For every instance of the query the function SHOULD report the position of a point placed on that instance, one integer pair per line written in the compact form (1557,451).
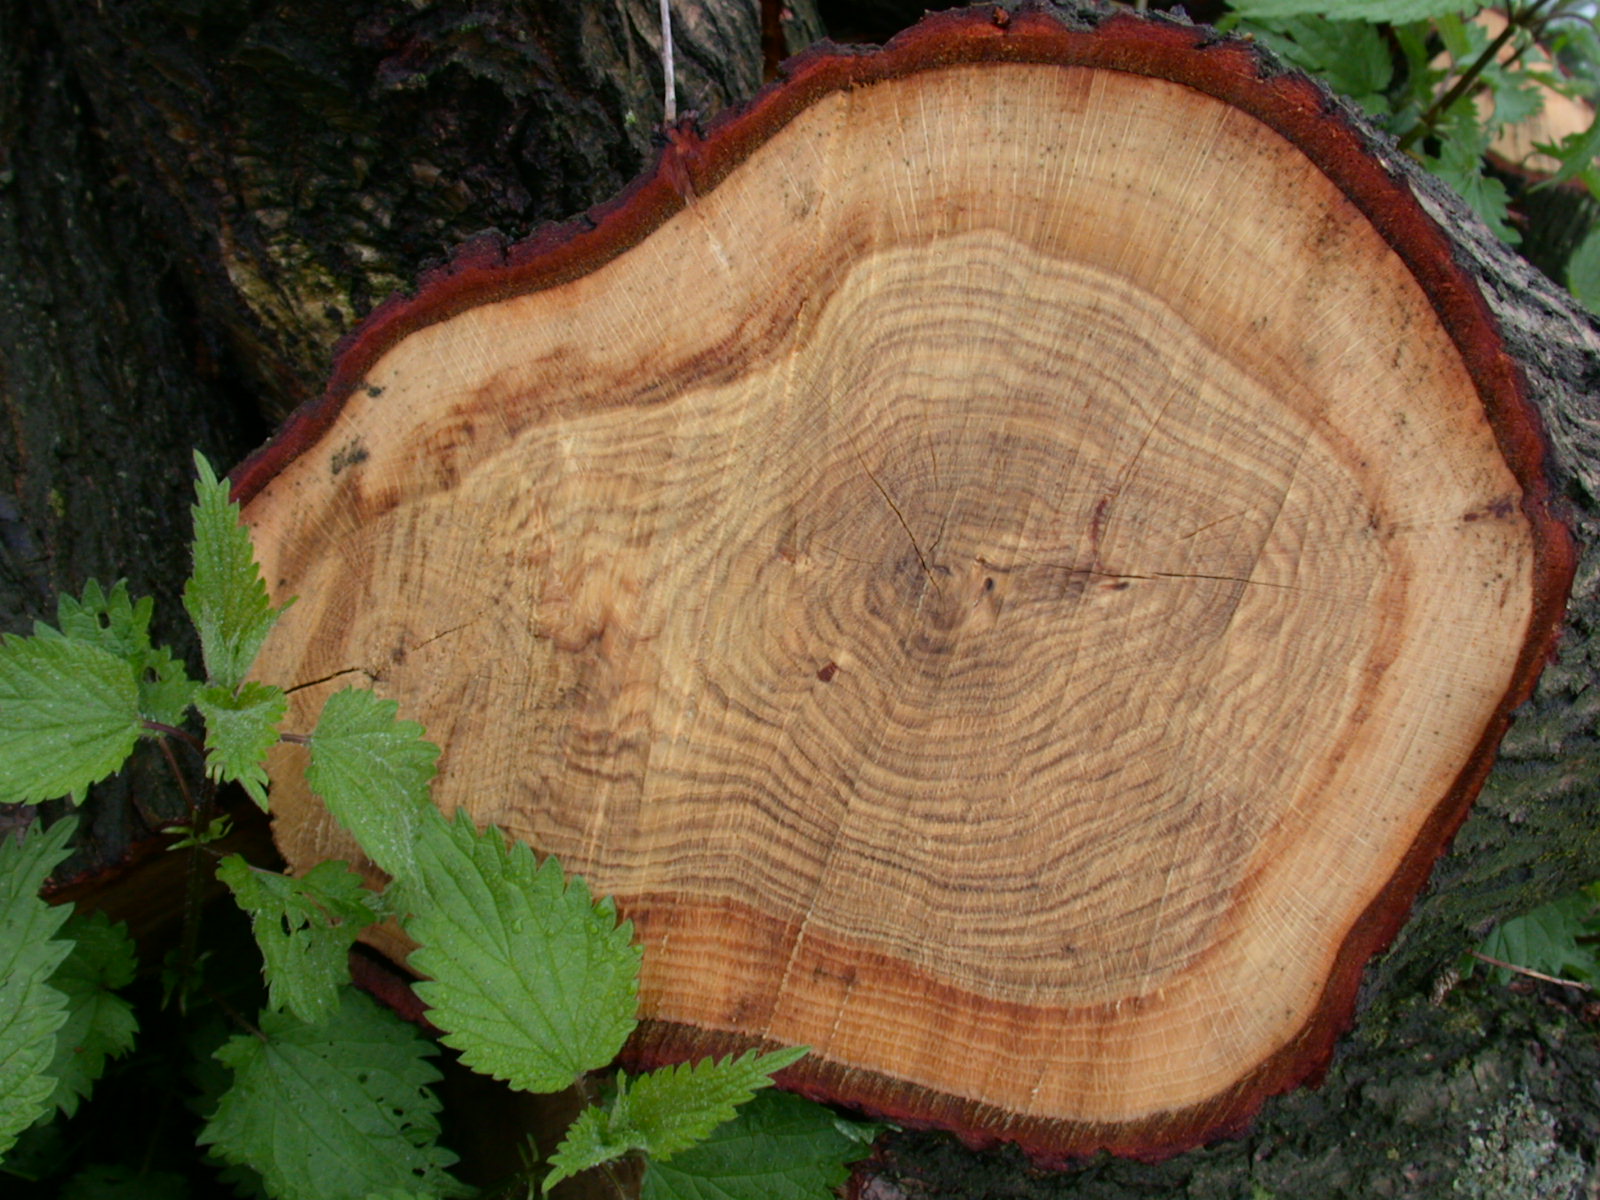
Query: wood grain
(997,587)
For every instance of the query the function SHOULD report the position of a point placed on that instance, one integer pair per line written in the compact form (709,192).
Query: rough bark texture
(131,134)
(196,200)
(105,380)
(307,159)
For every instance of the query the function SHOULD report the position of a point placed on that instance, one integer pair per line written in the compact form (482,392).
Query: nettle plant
(529,979)
(1447,78)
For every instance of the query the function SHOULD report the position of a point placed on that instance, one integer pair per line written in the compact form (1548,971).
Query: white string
(670,97)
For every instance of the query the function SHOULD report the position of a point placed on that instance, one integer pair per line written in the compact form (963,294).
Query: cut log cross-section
(1009,558)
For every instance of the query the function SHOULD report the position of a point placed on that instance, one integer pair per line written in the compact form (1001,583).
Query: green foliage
(333,1111)
(121,626)
(31,1009)
(241,726)
(666,1111)
(100,1024)
(779,1147)
(1393,11)
(372,771)
(1555,939)
(69,716)
(1351,56)
(1583,271)
(305,928)
(1576,151)
(1460,164)
(1437,82)
(225,597)
(529,978)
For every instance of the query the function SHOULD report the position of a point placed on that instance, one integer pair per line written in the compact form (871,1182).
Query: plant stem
(177,774)
(195,888)
(586,1093)
(1531,973)
(233,1014)
(1521,19)
(183,735)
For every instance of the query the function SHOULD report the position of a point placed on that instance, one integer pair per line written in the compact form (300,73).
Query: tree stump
(1010,557)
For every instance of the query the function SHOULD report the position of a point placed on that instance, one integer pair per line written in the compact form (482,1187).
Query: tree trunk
(196,202)
(195,208)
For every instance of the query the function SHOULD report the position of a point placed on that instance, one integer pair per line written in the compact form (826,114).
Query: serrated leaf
(1517,98)
(779,1147)
(241,726)
(372,771)
(225,597)
(1485,196)
(100,1024)
(165,689)
(1462,142)
(305,928)
(31,1009)
(1583,271)
(531,980)
(333,1111)
(121,626)
(666,1111)
(1576,151)
(111,621)
(1393,11)
(1546,940)
(1350,55)
(69,716)
(1463,40)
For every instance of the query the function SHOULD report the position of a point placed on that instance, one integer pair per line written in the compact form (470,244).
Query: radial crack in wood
(1009,560)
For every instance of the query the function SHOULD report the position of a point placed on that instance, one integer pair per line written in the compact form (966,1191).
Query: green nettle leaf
(531,980)
(1517,97)
(779,1147)
(120,626)
(372,770)
(1487,197)
(1394,11)
(100,1024)
(113,622)
(1576,151)
(666,1111)
(69,716)
(165,689)
(305,928)
(1462,142)
(31,1009)
(1350,55)
(1546,940)
(226,598)
(334,1111)
(1583,271)
(241,726)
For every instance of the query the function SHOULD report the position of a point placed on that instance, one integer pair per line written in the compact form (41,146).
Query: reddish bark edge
(485,270)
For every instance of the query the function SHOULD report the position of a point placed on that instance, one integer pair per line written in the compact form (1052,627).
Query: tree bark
(196,201)
(107,384)
(196,204)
